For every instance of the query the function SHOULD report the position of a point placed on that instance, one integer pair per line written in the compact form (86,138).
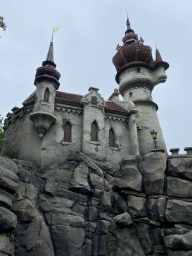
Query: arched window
(46,95)
(67,132)
(111,138)
(94,131)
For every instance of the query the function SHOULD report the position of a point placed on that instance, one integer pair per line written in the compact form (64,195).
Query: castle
(53,124)
(118,193)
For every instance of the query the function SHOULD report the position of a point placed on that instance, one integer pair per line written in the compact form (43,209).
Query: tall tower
(137,74)
(47,82)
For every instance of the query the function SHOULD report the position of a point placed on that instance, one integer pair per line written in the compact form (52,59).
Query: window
(138,70)
(46,95)
(130,94)
(94,100)
(67,132)
(111,138)
(94,131)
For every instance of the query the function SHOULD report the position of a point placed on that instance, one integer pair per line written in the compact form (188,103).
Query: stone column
(133,134)
(94,111)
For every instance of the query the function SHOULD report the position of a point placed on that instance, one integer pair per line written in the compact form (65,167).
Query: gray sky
(85,44)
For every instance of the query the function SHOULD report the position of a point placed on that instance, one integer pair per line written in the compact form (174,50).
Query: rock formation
(87,208)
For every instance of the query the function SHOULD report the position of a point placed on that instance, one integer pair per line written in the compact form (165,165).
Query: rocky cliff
(87,208)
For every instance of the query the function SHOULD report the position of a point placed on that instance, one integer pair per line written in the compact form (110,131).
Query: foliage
(1,132)
(2,24)
(40,171)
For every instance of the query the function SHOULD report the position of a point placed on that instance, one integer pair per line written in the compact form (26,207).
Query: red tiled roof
(75,98)
(114,107)
(68,97)
(30,99)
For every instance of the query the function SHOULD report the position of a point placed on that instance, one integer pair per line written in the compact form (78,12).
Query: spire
(48,70)
(128,24)
(158,56)
(130,36)
(50,59)
(50,52)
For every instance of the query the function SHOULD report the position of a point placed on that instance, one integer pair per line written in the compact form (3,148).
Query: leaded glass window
(67,132)
(46,95)
(111,138)
(94,131)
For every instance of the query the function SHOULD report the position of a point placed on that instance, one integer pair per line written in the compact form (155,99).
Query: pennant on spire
(55,29)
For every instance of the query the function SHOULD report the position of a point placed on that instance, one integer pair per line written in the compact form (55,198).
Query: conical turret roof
(135,53)
(50,53)
(48,70)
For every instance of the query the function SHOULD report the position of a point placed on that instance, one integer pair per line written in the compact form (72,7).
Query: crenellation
(188,150)
(174,151)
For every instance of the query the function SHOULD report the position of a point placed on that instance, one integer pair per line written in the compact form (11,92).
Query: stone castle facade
(52,124)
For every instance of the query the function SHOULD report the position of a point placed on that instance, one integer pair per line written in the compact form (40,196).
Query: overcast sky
(85,44)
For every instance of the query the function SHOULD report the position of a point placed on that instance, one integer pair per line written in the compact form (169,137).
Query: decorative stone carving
(42,121)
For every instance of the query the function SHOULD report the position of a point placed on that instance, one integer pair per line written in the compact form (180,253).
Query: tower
(47,82)
(137,74)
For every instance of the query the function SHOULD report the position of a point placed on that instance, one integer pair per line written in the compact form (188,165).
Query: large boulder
(7,163)
(37,239)
(58,177)
(129,176)
(68,240)
(79,180)
(179,188)
(156,208)
(145,237)
(153,169)
(8,220)
(180,168)
(123,220)
(137,206)
(128,242)
(119,204)
(178,211)
(178,238)
(6,247)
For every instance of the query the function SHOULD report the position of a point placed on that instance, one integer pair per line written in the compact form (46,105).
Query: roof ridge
(29,97)
(71,93)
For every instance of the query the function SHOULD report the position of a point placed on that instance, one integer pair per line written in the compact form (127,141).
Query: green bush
(2,23)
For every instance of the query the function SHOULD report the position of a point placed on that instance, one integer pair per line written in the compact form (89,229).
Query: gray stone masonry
(85,207)
(23,127)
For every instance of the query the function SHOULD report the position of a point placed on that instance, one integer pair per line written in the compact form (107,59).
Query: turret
(137,74)
(47,82)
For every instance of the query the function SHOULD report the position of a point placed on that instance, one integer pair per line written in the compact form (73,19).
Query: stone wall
(21,138)
(86,207)
(122,140)
(23,142)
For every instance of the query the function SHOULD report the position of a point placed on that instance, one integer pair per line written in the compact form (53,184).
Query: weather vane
(54,29)
(127,13)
